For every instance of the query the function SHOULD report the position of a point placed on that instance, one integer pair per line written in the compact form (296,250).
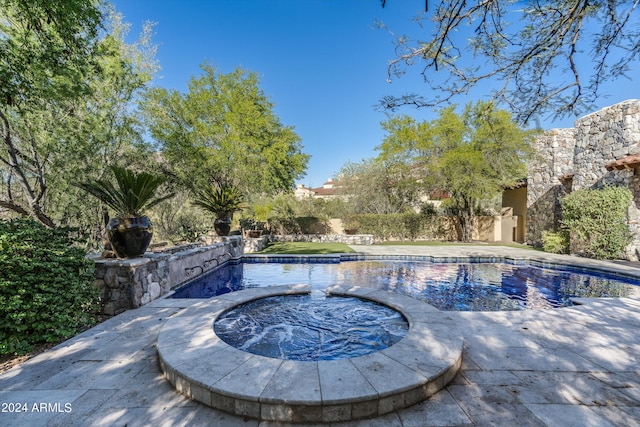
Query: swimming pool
(467,286)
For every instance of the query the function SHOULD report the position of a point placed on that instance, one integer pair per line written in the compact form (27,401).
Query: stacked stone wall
(576,158)
(553,161)
(131,283)
(603,137)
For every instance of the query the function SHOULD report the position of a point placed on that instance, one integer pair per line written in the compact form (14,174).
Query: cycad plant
(222,201)
(134,193)
(130,232)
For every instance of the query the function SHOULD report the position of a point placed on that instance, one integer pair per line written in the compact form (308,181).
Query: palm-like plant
(130,232)
(222,201)
(135,192)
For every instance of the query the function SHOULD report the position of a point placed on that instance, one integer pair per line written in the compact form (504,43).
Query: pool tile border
(203,367)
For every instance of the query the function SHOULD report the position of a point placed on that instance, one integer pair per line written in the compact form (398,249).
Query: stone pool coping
(203,367)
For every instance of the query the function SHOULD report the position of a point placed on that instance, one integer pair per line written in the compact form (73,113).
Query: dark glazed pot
(129,237)
(222,224)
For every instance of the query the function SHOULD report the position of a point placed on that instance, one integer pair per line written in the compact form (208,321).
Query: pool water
(447,286)
(311,327)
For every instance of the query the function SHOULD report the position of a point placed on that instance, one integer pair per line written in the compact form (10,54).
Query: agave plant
(135,192)
(222,201)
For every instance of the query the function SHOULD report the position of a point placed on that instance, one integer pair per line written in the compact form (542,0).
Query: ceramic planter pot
(129,237)
(222,224)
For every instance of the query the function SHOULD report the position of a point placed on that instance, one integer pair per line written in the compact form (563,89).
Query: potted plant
(222,201)
(130,232)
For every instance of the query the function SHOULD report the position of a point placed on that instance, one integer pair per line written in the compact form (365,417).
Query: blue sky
(321,63)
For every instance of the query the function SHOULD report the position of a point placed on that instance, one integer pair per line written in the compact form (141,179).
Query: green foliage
(405,226)
(44,48)
(378,186)
(312,225)
(555,242)
(135,192)
(470,156)
(224,129)
(596,221)
(221,201)
(284,214)
(68,106)
(283,225)
(177,220)
(46,286)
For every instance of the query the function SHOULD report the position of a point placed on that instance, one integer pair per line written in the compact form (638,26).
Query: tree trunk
(33,196)
(467,219)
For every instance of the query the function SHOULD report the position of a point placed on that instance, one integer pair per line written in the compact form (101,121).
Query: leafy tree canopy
(68,91)
(543,56)
(45,48)
(377,186)
(224,130)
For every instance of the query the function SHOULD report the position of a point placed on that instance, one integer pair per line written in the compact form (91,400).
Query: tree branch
(522,57)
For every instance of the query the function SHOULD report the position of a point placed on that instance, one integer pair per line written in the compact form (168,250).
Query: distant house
(329,190)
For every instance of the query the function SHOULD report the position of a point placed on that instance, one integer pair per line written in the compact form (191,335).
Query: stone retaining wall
(131,283)
(258,244)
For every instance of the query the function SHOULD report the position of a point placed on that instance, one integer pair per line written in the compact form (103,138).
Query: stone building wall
(603,137)
(577,158)
(554,160)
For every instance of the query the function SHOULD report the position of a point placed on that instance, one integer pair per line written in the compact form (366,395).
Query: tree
(105,128)
(544,56)
(469,157)
(45,52)
(68,88)
(378,186)
(224,130)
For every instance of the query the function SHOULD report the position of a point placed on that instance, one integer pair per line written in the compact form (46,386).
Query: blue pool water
(447,286)
(311,328)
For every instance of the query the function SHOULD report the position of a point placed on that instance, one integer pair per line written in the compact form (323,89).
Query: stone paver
(571,366)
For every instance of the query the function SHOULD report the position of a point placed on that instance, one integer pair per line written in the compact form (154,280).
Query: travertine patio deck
(576,366)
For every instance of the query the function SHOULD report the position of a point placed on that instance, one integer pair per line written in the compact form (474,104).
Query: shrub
(596,221)
(46,286)
(555,242)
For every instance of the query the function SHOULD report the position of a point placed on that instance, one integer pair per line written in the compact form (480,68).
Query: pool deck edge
(203,367)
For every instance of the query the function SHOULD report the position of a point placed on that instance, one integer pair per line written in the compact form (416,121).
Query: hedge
(404,226)
(46,286)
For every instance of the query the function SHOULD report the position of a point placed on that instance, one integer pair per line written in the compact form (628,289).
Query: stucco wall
(516,199)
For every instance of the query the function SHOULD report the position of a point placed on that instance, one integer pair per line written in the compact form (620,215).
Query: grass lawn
(306,248)
(279,248)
